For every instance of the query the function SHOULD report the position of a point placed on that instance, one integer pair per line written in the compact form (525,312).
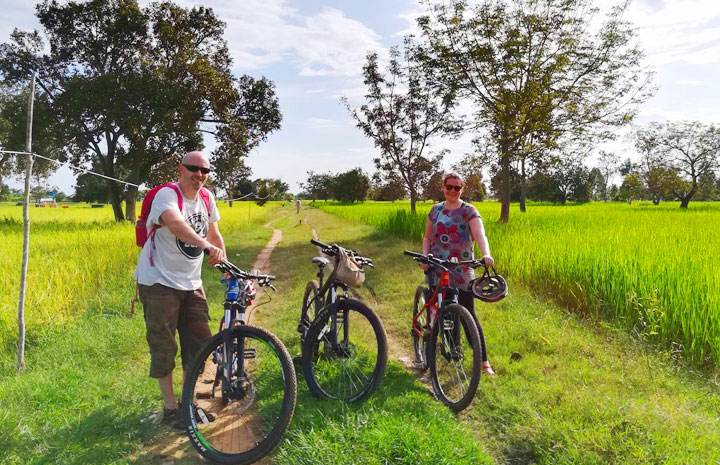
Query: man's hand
(215,254)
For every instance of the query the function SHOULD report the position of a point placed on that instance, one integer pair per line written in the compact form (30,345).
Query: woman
(449,232)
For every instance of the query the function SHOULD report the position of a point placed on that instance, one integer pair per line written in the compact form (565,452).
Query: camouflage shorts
(166,310)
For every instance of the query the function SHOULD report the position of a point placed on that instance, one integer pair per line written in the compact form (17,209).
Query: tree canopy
(404,110)
(133,88)
(538,73)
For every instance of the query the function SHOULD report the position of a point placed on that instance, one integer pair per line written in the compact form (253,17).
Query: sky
(314,52)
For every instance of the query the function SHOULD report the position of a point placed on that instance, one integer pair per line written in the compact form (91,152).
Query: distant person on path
(449,232)
(168,274)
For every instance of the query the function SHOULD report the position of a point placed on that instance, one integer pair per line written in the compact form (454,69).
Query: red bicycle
(446,338)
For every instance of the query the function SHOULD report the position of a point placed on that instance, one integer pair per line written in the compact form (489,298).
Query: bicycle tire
(310,308)
(272,385)
(354,369)
(447,358)
(420,343)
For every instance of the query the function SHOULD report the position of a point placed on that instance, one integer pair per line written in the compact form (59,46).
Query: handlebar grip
(319,244)
(412,254)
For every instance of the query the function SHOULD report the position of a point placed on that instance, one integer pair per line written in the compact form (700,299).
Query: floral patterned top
(451,238)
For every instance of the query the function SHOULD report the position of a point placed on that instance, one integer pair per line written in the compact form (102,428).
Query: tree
(434,188)
(319,186)
(661,182)
(276,187)
(13,124)
(129,87)
(404,111)
(351,186)
(539,73)
(90,188)
(5,193)
(386,190)
(709,187)
(607,164)
(690,148)
(631,188)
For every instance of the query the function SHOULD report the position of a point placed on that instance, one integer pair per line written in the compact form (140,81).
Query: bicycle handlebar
(333,249)
(226,267)
(445,264)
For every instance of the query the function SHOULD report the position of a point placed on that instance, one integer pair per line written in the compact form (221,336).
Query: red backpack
(141,234)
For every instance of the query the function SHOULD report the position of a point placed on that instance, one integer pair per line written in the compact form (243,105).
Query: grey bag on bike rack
(348,271)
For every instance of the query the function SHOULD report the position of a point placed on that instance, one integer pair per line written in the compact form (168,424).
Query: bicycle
(344,345)
(451,354)
(255,376)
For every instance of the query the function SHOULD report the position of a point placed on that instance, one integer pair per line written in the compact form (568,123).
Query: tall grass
(76,255)
(653,269)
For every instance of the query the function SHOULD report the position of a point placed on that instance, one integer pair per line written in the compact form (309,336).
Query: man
(168,274)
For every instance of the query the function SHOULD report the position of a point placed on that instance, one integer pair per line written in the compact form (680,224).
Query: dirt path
(173,449)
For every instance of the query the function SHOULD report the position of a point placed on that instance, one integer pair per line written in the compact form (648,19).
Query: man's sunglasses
(195,169)
(456,188)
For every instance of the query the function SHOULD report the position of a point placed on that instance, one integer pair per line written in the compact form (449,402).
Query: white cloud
(268,32)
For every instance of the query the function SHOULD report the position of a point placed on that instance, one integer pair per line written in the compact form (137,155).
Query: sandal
(487,369)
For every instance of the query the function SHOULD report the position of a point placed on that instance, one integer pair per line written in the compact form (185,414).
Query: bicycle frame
(328,291)
(442,294)
(234,305)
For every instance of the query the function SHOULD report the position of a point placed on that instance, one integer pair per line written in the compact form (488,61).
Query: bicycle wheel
(454,357)
(260,392)
(420,343)
(310,307)
(345,352)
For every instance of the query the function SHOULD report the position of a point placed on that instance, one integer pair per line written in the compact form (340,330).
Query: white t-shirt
(176,264)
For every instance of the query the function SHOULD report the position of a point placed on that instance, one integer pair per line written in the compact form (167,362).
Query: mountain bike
(240,391)
(445,336)
(344,346)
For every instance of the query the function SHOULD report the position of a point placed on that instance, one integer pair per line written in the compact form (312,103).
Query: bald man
(168,274)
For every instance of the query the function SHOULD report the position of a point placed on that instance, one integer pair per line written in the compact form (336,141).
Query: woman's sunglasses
(195,169)
(456,188)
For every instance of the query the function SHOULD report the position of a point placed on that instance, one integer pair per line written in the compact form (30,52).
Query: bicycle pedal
(204,395)
(250,353)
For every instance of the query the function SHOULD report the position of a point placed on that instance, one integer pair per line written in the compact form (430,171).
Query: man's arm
(174,221)
(215,238)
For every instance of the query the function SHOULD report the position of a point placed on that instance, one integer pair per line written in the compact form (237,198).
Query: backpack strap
(151,237)
(205,196)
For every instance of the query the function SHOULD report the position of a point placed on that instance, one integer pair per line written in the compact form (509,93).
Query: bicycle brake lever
(272,287)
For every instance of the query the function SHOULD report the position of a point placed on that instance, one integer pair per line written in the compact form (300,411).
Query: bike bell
(233,290)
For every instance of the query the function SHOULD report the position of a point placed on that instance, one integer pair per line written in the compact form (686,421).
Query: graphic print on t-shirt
(199,223)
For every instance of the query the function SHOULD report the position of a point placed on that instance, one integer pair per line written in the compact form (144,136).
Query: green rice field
(651,269)
(76,253)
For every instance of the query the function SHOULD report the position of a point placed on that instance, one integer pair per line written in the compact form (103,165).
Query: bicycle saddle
(320,261)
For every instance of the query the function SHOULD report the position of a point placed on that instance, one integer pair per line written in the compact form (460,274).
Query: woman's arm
(478,233)
(426,242)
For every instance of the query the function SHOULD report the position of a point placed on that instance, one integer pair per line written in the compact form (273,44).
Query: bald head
(196,158)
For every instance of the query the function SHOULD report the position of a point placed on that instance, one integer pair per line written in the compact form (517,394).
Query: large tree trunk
(523,186)
(685,201)
(504,179)
(413,199)
(130,199)
(116,201)
(504,186)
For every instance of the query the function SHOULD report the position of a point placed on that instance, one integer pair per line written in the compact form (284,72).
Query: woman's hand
(424,266)
(488,260)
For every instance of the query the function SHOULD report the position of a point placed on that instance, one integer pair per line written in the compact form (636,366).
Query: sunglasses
(455,188)
(195,169)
